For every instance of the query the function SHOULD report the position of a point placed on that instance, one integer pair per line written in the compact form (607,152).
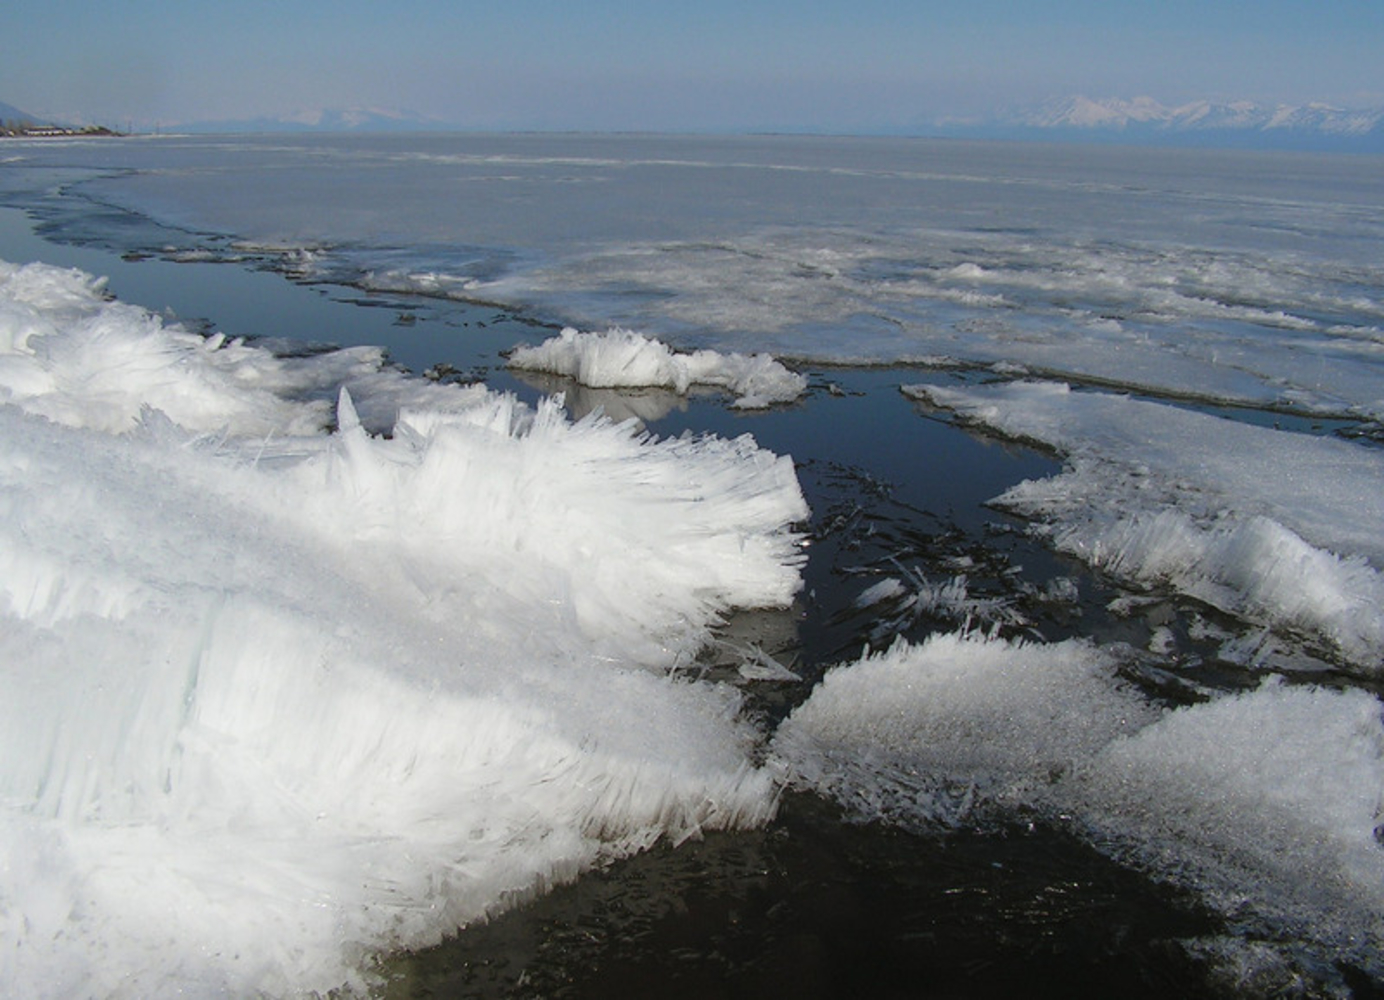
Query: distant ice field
(1222,275)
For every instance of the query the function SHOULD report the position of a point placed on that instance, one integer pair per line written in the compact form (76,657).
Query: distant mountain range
(1141,121)
(1144,120)
(18,123)
(323,120)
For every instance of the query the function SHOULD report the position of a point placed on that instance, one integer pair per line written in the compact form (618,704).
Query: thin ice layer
(1279,527)
(1266,803)
(624,359)
(274,700)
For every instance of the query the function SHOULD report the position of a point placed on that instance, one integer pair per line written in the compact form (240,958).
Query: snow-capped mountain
(1202,122)
(1082,112)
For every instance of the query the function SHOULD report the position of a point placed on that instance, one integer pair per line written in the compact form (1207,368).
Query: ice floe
(625,359)
(1266,803)
(1280,527)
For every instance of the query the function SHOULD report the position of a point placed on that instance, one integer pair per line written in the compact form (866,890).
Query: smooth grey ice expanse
(307,659)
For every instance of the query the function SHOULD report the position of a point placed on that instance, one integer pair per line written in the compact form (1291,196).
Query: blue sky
(711,64)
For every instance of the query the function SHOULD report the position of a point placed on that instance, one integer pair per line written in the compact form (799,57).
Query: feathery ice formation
(1275,527)
(1266,802)
(624,359)
(278,694)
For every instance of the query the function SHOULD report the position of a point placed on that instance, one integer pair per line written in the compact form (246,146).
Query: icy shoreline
(1266,803)
(267,582)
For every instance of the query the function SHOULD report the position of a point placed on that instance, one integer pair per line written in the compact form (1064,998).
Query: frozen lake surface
(978,509)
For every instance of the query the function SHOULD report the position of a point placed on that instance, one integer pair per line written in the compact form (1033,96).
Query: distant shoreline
(30,131)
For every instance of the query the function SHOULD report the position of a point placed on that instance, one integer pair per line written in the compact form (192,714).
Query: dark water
(812,906)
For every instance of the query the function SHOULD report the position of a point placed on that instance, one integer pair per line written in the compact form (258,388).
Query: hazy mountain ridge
(9,113)
(1140,121)
(322,120)
(1082,112)
(1201,122)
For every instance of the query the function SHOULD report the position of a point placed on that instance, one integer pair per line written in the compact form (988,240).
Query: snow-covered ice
(958,729)
(279,694)
(1266,802)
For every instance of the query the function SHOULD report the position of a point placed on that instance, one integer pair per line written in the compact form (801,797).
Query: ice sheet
(276,699)
(1276,526)
(1223,275)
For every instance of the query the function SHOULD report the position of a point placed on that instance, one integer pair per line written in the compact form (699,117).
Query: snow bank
(1266,803)
(624,359)
(275,700)
(1277,527)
